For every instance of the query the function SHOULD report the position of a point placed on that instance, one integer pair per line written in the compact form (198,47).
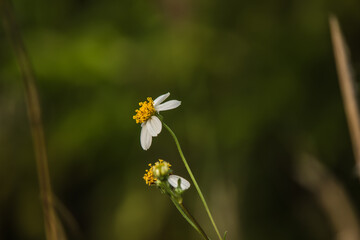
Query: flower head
(160,170)
(146,115)
(145,111)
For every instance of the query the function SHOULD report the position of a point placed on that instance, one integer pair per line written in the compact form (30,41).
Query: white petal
(145,138)
(161,98)
(168,105)
(154,126)
(173,180)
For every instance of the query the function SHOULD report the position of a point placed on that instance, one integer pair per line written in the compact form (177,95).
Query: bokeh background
(259,91)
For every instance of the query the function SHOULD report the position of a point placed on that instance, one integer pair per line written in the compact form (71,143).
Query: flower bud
(161,170)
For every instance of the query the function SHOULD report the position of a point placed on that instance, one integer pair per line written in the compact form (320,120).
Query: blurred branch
(53,229)
(347,84)
(68,220)
(331,195)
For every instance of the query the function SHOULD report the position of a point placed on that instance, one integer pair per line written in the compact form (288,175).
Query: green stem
(177,200)
(189,218)
(193,179)
(192,218)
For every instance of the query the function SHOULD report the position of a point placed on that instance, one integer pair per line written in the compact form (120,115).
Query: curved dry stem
(53,228)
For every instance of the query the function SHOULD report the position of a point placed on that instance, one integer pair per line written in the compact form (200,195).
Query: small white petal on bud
(174,181)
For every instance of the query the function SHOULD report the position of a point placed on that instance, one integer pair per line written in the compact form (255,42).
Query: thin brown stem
(53,232)
(331,196)
(346,82)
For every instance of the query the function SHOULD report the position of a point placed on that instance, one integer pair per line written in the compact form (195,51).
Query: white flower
(174,181)
(146,115)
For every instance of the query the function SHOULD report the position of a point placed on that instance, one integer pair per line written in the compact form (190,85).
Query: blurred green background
(258,86)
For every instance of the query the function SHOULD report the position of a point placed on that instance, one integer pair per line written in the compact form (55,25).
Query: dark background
(259,89)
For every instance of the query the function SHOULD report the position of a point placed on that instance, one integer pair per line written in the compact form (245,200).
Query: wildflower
(146,115)
(178,182)
(160,170)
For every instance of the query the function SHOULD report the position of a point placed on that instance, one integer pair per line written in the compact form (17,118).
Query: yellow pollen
(145,111)
(149,176)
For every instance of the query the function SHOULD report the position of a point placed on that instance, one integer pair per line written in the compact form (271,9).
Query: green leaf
(225,235)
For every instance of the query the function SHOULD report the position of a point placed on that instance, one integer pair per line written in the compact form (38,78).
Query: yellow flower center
(145,111)
(149,175)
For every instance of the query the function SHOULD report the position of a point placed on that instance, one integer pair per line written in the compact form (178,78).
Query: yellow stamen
(145,111)
(149,176)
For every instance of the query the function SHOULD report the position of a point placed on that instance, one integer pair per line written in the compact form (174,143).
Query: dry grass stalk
(331,196)
(53,228)
(347,86)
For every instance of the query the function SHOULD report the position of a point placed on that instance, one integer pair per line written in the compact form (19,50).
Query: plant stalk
(193,179)
(52,230)
(185,213)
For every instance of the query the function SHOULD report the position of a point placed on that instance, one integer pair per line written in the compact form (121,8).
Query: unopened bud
(161,169)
